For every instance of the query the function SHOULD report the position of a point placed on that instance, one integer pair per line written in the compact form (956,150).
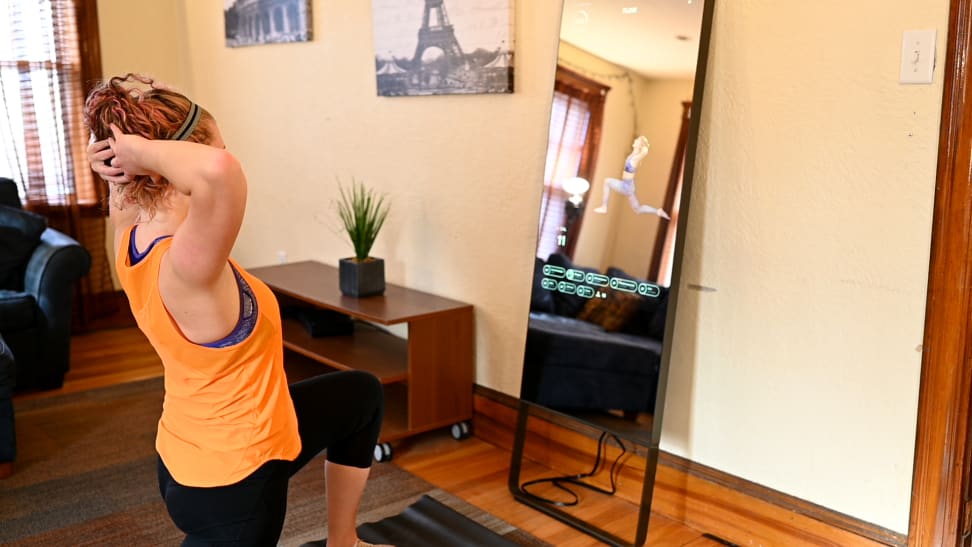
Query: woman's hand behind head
(100,155)
(127,150)
(139,108)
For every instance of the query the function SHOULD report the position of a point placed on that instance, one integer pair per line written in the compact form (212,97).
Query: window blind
(569,124)
(42,134)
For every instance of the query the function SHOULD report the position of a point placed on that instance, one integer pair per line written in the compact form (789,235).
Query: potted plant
(363,213)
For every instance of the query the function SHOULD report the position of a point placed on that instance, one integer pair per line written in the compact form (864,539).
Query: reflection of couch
(593,353)
(38,269)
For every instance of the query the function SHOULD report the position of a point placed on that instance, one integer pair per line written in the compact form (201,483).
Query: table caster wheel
(383,452)
(461,430)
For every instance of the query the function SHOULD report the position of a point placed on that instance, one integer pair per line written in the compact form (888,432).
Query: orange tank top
(227,410)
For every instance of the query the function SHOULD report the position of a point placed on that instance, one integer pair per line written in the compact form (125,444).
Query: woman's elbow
(222,164)
(224,167)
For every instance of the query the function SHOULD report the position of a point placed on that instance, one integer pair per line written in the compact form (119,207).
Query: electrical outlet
(918,57)
(282,257)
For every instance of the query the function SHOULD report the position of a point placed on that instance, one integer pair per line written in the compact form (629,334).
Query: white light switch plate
(918,57)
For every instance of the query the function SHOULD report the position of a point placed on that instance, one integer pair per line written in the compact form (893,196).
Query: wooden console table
(428,378)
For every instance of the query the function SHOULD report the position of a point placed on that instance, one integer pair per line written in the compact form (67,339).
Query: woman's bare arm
(214,181)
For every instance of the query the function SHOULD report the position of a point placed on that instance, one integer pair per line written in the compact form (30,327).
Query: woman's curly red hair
(140,106)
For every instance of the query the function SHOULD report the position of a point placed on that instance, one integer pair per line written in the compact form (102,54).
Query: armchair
(38,269)
(8,438)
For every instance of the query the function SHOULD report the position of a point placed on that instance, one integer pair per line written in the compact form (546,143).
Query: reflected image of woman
(626,184)
(232,432)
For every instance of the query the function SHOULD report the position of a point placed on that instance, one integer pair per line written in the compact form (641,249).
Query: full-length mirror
(615,191)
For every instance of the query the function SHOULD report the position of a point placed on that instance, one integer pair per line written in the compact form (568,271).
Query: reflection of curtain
(575,128)
(663,254)
(42,134)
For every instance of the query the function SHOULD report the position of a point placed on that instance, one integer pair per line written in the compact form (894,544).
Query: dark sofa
(8,437)
(38,269)
(593,353)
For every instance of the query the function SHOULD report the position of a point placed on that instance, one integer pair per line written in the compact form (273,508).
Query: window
(575,128)
(48,50)
(41,98)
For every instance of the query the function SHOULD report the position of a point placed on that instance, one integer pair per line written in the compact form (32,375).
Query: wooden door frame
(938,514)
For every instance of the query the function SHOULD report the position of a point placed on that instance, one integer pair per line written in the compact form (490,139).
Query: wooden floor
(471,469)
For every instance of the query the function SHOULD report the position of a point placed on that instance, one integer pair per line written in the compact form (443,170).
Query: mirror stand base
(521,495)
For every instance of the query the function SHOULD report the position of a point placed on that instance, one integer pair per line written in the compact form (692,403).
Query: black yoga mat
(427,523)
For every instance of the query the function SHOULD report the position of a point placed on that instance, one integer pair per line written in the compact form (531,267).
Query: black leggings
(340,412)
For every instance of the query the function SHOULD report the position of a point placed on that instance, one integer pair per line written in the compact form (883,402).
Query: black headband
(188,126)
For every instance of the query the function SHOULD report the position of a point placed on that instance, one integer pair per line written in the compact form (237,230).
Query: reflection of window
(575,128)
(569,121)
(663,256)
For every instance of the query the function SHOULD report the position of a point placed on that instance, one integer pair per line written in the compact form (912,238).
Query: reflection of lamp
(576,187)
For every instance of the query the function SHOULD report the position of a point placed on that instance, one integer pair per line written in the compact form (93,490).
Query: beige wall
(145,37)
(635,105)
(659,120)
(595,244)
(456,168)
(811,216)
(811,220)
(155,46)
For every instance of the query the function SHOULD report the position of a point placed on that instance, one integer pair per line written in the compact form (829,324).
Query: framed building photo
(440,47)
(255,22)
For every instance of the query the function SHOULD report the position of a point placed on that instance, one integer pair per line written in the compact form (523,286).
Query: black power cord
(718,539)
(576,480)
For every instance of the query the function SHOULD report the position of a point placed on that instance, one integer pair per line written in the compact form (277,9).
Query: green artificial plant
(363,213)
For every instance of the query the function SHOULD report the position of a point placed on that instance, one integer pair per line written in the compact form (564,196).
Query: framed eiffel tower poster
(443,47)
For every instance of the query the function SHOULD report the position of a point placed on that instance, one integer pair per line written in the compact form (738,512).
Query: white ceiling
(646,42)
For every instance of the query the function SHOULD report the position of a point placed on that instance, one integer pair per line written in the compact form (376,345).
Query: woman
(626,184)
(231,432)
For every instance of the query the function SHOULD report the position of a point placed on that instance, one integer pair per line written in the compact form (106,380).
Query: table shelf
(368,348)
(427,377)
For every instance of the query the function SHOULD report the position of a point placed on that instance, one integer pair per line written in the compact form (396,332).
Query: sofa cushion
(611,312)
(568,305)
(8,193)
(649,317)
(20,233)
(574,364)
(18,310)
(541,300)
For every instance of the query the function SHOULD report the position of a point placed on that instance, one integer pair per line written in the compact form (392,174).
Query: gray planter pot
(365,278)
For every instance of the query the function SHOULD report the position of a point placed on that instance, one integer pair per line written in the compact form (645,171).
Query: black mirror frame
(523,413)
